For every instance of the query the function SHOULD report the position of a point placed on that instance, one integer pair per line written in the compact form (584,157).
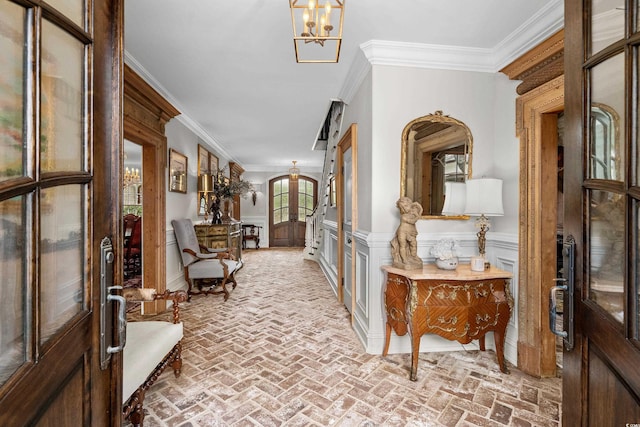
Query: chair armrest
(148,294)
(207,250)
(223,253)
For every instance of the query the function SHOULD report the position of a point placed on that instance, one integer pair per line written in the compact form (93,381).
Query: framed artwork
(213,164)
(203,160)
(177,172)
(332,192)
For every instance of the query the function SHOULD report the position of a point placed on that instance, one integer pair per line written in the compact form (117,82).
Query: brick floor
(281,352)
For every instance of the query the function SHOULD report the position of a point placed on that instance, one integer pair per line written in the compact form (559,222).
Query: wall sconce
(484,199)
(257,188)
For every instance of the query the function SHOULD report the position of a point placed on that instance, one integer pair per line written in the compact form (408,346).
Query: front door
(290,203)
(601,375)
(59,121)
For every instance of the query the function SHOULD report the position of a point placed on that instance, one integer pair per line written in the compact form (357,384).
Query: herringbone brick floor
(281,352)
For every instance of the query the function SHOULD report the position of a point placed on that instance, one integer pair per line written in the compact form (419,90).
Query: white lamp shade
(484,197)
(454,198)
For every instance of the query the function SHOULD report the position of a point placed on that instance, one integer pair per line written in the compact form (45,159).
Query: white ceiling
(229,66)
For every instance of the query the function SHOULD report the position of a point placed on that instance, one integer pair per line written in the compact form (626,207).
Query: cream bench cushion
(148,342)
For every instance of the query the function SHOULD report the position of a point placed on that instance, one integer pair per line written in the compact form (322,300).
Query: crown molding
(546,22)
(358,70)
(183,118)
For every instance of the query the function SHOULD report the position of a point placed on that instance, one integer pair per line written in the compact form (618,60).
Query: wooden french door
(290,203)
(601,373)
(59,139)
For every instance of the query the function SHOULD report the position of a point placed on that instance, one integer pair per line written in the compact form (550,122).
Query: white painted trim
(546,22)
(183,117)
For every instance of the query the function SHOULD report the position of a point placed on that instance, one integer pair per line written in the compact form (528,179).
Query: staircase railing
(313,232)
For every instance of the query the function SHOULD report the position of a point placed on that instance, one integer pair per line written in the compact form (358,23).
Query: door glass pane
(607,23)
(62,256)
(12,289)
(607,120)
(607,254)
(61,101)
(72,9)
(12,42)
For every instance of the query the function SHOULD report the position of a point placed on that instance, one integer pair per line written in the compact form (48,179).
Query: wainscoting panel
(175,272)
(328,254)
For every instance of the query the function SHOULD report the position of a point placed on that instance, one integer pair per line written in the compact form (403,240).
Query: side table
(460,305)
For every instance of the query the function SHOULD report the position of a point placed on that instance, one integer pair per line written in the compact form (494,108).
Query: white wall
(388,99)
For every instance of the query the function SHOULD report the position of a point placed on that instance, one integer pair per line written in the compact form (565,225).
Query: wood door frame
(541,71)
(537,232)
(348,140)
(145,114)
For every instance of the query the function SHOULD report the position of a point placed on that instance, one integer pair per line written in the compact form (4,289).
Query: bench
(150,347)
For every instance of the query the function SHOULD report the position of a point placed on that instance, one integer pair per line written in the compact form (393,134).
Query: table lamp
(205,186)
(454,198)
(484,199)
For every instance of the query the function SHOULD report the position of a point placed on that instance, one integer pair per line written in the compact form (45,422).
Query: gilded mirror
(435,149)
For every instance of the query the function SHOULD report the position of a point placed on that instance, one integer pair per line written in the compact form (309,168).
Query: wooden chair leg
(177,362)
(137,414)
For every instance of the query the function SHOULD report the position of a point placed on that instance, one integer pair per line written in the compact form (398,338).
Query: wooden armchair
(150,347)
(203,267)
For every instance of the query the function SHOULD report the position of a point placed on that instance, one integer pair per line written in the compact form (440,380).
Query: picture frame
(203,161)
(177,172)
(213,164)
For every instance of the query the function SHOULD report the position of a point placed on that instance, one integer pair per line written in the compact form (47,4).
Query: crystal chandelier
(312,30)
(131,177)
(294,172)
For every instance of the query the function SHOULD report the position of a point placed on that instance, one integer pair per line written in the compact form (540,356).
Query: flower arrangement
(224,188)
(445,249)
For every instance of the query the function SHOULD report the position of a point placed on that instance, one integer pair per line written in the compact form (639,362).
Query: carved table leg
(415,352)
(481,343)
(387,338)
(499,336)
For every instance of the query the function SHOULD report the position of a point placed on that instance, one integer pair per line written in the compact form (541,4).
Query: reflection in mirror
(435,149)
(606,251)
(132,215)
(605,142)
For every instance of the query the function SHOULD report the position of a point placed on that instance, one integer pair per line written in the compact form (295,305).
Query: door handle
(567,287)
(553,307)
(122,320)
(107,259)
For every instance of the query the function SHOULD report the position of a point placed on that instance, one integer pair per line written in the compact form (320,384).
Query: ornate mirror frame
(407,147)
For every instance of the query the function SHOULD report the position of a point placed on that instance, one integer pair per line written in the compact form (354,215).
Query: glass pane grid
(62,257)
(607,252)
(13,311)
(62,101)
(12,102)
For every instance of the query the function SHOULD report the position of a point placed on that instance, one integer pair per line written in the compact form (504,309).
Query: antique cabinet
(218,236)
(461,305)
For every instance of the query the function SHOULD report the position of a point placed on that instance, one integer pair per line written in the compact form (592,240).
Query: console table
(460,305)
(216,236)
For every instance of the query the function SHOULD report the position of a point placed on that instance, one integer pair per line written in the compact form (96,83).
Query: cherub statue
(404,247)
